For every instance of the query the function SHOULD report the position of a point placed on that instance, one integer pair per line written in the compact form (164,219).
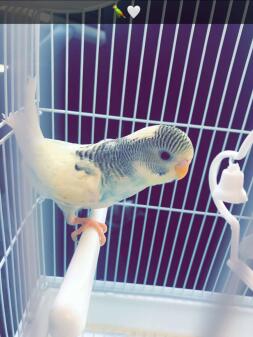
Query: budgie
(118,12)
(97,175)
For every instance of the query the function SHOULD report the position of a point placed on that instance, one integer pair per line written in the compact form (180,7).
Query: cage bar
(135,267)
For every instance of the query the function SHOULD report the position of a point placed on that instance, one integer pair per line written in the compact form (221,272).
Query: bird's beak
(182,169)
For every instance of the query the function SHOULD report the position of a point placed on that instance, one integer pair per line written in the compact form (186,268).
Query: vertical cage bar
(53,132)
(32,50)
(29,234)
(6,266)
(2,304)
(119,242)
(8,195)
(171,61)
(35,222)
(25,30)
(5,67)
(96,77)
(143,45)
(66,75)
(109,89)
(41,222)
(6,95)
(23,235)
(196,88)
(18,78)
(108,243)
(80,104)
(81,79)
(153,236)
(27,192)
(123,94)
(37,61)
(158,47)
(14,274)
(186,61)
(12,166)
(142,238)
(94,103)
(21,219)
(26,189)
(39,250)
(12,36)
(245,234)
(130,243)
(66,128)
(106,135)
(52,75)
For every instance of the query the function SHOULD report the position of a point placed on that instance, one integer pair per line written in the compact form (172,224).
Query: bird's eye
(165,155)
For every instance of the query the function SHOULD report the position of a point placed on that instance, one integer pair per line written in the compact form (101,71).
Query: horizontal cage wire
(99,81)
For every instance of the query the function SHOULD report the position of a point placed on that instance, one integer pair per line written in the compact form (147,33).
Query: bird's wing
(70,181)
(87,166)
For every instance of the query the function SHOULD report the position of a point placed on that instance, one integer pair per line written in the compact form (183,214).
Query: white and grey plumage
(98,175)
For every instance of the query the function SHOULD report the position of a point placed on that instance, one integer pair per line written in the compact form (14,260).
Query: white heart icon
(133,11)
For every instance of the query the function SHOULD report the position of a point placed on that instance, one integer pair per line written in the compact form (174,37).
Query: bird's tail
(25,124)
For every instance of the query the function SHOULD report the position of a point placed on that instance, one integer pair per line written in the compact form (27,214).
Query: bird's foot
(86,223)
(8,119)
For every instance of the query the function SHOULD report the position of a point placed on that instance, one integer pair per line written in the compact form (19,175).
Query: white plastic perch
(230,189)
(69,311)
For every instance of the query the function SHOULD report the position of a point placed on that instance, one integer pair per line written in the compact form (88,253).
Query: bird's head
(164,153)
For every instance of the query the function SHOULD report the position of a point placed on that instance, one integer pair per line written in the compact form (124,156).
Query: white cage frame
(25,272)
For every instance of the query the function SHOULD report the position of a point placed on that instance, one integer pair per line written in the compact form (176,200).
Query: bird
(118,12)
(93,176)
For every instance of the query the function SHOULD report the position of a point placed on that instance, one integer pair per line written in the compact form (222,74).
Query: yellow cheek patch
(181,171)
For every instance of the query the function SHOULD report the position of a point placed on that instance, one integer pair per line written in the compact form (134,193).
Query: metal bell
(230,188)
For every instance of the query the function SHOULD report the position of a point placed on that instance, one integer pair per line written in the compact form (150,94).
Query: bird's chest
(119,189)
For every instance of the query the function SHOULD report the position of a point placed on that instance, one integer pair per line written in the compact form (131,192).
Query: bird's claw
(3,116)
(86,223)
(8,119)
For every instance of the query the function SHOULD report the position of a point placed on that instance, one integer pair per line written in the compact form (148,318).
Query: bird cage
(164,267)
